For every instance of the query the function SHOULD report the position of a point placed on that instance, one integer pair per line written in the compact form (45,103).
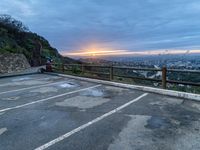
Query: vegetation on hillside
(15,37)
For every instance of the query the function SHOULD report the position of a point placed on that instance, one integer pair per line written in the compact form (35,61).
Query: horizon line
(99,53)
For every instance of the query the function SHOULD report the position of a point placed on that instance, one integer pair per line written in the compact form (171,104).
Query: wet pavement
(43,111)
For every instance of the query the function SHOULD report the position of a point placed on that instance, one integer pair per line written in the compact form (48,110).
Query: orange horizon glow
(96,53)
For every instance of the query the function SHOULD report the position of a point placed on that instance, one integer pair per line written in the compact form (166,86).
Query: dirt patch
(83,102)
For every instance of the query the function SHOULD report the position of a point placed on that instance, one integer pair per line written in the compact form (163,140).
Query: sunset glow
(96,53)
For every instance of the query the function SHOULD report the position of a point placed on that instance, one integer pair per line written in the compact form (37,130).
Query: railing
(110,71)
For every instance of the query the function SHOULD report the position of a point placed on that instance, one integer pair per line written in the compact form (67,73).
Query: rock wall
(13,63)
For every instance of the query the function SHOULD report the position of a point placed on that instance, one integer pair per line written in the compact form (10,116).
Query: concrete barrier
(178,94)
(29,71)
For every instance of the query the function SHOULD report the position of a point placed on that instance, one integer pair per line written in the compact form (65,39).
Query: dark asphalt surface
(153,122)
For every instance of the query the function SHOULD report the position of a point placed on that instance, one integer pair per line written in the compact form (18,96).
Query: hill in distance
(15,37)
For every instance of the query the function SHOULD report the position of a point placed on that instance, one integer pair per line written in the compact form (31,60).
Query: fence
(110,71)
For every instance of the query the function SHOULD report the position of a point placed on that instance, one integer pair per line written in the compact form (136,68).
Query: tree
(13,24)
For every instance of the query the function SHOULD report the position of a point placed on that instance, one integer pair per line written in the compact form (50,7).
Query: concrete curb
(19,74)
(29,71)
(178,94)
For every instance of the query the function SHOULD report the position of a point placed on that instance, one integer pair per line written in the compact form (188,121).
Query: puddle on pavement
(93,92)
(67,85)
(158,122)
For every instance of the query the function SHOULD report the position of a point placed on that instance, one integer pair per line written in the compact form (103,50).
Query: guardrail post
(63,68)
(82,68)
(164,77)
(49,67)
(111,72)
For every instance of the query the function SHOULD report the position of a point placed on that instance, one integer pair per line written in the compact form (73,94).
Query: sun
(94,54)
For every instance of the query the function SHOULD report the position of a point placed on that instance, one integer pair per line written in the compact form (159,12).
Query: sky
(111,26)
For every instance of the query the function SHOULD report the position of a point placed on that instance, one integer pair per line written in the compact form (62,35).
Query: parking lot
(42,111)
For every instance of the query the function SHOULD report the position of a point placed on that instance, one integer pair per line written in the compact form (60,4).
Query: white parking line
(25,79)
(49,98)
(32,87)
(62,137)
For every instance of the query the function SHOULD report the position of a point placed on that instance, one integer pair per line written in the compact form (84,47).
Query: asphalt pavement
(43,111)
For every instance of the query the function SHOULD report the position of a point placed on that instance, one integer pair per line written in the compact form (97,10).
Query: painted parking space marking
(49,98)
(3,130)
(26,79)
(32,87)
(68,134)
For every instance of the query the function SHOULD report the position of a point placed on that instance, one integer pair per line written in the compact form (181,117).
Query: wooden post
(82,68)
(63,67)
(49,67)
(164,77)
(111,72)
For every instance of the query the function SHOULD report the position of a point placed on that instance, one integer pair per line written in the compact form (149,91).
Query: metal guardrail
(111,74)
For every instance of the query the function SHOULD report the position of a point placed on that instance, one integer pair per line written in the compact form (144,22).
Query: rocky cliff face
(13,63)
(16,38)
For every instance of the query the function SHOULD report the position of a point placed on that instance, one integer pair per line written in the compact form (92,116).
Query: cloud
(19,8)
(140,25)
